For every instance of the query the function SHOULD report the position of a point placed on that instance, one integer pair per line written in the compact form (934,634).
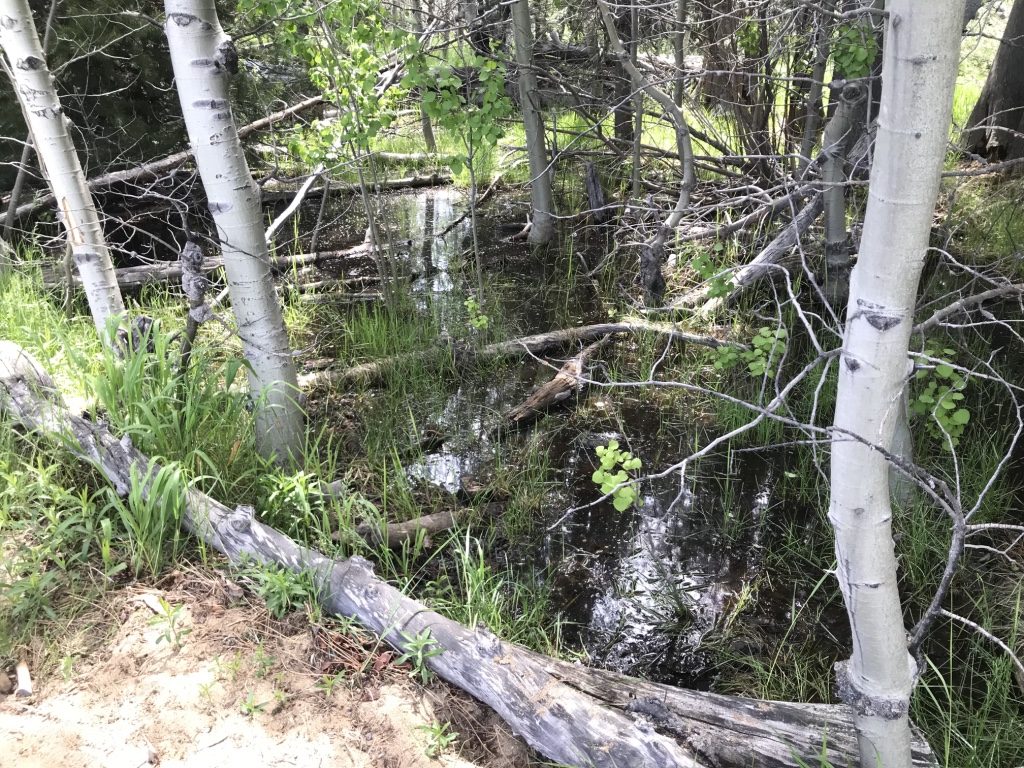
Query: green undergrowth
(68,539)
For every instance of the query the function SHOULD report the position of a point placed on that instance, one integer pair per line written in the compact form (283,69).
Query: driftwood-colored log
(568,381)
(274,192)
(569,714)
(525,345)
(133,278)
(394,535)
(159,168)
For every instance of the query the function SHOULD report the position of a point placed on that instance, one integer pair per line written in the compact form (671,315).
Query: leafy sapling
(708,269)
(939,393)
(613,476)
(477,319)
(767,347)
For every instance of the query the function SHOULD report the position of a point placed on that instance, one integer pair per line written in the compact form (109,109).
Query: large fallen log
(526,345)
(567,713)
(159,168)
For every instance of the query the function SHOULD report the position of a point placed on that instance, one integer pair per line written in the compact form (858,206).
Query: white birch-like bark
(921,54)
(59,161)
(541,199)
(203,58)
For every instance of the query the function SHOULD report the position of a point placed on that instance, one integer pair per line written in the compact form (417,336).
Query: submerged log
(568,714)
(526,345)
(568,381)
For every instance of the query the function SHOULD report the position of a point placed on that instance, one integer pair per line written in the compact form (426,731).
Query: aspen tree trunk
(203,58)
(428,130)
(679,49)
(921,54)
(541,200)
(59,160)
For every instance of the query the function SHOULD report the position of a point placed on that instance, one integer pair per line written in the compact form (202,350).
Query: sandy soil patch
(238,688)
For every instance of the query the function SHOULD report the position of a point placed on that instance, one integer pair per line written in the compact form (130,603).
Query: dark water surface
(640,589)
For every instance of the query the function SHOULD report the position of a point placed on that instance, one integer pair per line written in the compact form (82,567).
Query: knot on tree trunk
(867,704)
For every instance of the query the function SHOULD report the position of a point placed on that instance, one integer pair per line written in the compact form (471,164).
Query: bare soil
(238,688)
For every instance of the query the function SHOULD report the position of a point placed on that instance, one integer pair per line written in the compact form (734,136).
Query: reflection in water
(640,589)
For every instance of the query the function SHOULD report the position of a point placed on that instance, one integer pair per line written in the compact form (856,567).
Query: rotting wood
(394,535)
(569,380)
(568,713)
(159,168)
(525,345)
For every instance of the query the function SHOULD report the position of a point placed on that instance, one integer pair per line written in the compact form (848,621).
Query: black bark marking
(31,64)
(7,22)
(882,322)
(210,104)
(852,364)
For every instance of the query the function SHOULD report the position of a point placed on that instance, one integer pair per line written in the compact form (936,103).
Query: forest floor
(217,681)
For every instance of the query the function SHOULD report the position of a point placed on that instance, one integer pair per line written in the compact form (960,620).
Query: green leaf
(960,417)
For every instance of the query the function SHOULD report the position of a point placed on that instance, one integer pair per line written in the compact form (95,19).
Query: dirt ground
(239,688)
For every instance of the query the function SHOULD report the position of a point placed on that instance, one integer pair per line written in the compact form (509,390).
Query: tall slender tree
(543,228)
(921,55)
(204,58)
(59,161)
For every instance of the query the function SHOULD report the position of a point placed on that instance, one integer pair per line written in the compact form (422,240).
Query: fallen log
(569,380)
(133,278)
(158,168)
(394,535)
(273,192)
(530,345)
(567,713)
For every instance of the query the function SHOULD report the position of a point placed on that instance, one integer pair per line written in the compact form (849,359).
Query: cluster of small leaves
(766,349)
(418,649)
(473,110)
(854,50)
(939,393)
(748,38)
(616,465)
(477,319)
(282,590)
(708,269)
(345,45)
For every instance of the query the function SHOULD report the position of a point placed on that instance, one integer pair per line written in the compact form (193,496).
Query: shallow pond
(640,589)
